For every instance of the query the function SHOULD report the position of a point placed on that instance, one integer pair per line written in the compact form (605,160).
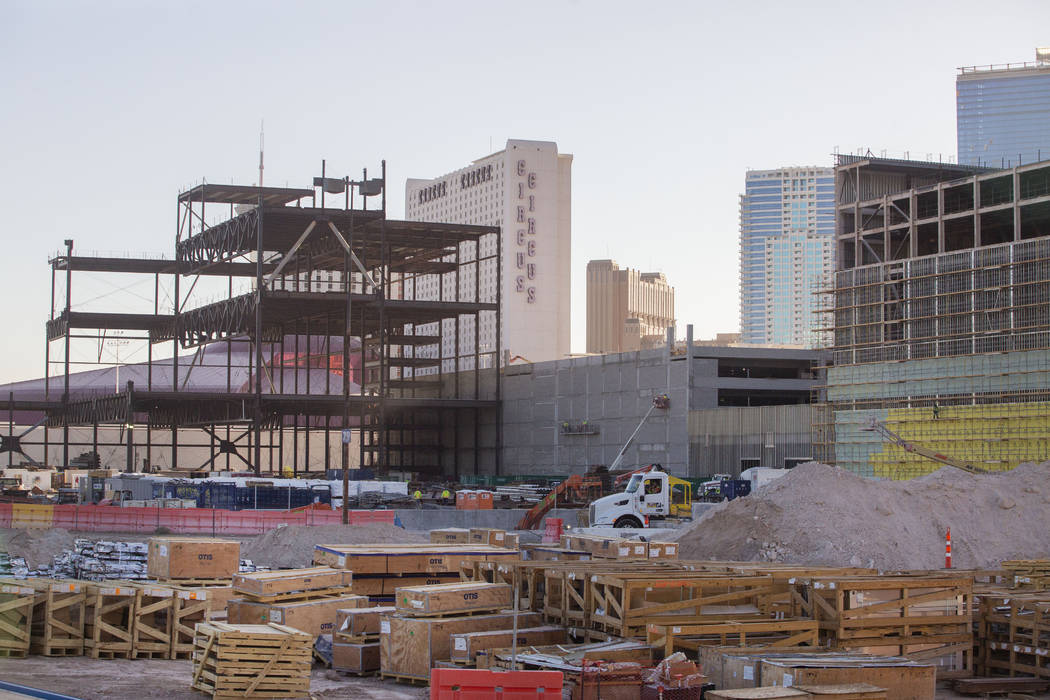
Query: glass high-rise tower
(787,252)
(1003,113)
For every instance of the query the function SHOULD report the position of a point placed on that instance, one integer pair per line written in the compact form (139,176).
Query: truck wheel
(627,521)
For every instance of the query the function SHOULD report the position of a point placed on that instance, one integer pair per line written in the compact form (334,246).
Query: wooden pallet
(251,661)
(16,616)
(109,620)
(154,620)
(690,637)
(925,617)
(58,617)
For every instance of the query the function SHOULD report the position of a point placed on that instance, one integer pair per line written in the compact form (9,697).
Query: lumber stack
(16,615)
(251,661)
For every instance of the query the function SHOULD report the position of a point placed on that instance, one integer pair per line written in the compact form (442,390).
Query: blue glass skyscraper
(787,252)
(1003,113)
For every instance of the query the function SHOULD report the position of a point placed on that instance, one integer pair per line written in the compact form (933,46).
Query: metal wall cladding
(723,438)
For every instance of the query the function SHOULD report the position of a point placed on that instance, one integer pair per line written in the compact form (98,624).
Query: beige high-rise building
(626,309)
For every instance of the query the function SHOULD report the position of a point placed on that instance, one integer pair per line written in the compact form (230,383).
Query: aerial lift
(877,426)
(588,486)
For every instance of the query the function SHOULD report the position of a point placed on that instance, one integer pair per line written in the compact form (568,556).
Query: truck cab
(651,495)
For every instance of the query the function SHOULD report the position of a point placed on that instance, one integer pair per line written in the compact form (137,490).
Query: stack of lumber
(924,617)
(1031,574)
(186,560)
(355,643)
(251,661)
(305,599)
(1013,635)
(379,570)
(419,633)
(16,615)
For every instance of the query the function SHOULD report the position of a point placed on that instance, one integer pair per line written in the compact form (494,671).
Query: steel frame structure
(317,274)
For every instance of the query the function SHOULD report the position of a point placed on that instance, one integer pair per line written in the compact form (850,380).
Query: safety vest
(417,495)
(446,494)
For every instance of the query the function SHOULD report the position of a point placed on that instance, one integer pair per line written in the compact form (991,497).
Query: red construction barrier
(5,514)
(474,684)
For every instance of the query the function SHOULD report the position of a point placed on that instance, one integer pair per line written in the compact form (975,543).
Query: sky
(112,108)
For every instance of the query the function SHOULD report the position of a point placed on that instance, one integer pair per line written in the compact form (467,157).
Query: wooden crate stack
(379,570)
(924,617)
(420,633)
(355,643)
(1032,574)
(251,661)
(16,616)
(182,561)
(305,599)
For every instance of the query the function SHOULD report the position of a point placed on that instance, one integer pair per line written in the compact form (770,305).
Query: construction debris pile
(822,515)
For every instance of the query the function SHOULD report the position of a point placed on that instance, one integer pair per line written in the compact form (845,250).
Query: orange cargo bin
(485,500)
(472,684)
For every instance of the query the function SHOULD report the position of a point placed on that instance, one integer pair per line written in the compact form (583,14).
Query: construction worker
(446,497)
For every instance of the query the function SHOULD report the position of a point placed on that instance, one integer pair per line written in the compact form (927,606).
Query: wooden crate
(409,646)
(453,598)
(623,604)
(360,658)
(607,547)
(16,616)
(311,616)
(189,606)
(924,617)
(450,535)
(109,620)
(293,583)
(902,678)
(734,667)
(360,624)
(689,637)
(197,558)
(383,586)
(154,622)
(850,691)
(467,645)
(489,536)
(58,617)
(251,661)
(1013,635)
(756,694)
(663,550)
(417,559)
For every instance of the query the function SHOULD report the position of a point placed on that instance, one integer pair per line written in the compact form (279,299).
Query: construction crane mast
(876,426)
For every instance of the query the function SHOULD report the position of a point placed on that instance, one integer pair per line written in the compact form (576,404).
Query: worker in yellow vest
(446,497)
(418,495)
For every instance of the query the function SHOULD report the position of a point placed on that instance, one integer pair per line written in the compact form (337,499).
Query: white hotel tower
(526,189)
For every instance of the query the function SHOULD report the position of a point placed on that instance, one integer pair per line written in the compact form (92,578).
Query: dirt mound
(38,547)
(824,515)
(293,545)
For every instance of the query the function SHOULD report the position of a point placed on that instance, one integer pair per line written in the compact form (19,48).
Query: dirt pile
(824,515)
(293,545)
(38,547)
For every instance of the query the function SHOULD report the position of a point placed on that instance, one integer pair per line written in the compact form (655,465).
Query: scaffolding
(949,349)
(317,328)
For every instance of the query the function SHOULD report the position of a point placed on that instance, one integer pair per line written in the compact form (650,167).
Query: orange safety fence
(92,518)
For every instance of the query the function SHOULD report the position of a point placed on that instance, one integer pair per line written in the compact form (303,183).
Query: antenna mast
(262,135)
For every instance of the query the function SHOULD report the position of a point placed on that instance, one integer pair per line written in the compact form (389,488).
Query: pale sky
(111,108)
